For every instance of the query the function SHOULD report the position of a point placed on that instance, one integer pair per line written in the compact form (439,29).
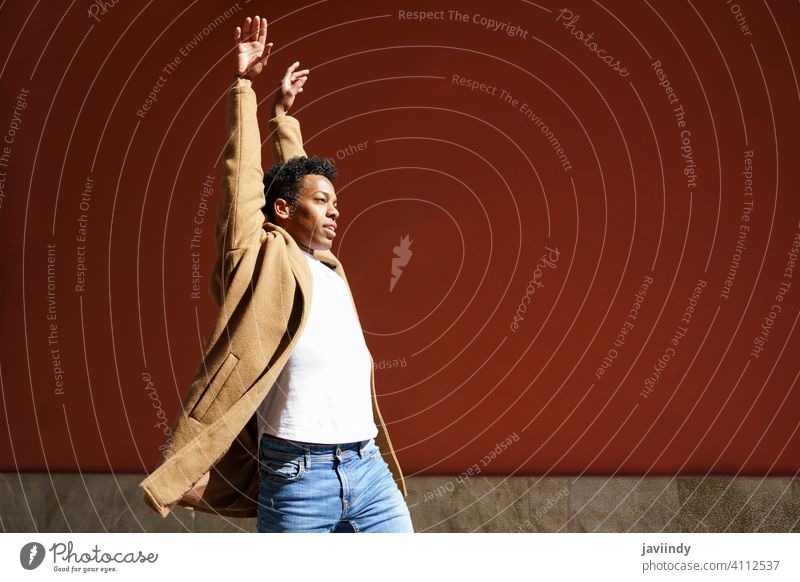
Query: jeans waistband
(316,450)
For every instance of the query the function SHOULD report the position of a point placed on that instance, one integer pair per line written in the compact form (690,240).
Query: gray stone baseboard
(88,502)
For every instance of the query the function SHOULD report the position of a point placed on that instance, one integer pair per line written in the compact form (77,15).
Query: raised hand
(251,57)
(291,85)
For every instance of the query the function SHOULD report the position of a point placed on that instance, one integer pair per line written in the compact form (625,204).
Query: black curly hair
(284,179)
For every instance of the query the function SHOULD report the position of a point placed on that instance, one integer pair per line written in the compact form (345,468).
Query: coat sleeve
(239,215)
(287,141)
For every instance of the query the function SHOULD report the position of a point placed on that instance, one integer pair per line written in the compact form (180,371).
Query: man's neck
(306,250)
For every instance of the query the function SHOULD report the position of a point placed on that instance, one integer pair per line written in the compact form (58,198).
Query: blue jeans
(342,488)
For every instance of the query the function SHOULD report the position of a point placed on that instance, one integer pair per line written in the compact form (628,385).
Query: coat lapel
(298,262)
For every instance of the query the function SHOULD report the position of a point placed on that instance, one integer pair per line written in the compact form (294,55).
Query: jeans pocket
(280,468)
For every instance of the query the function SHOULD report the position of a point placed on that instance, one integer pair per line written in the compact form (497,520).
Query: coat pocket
(212,389)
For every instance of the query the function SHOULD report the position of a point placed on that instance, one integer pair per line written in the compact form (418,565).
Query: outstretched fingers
(291,74)
(266,54)
(246,29)
(262,30)
(255,30)
(291,68)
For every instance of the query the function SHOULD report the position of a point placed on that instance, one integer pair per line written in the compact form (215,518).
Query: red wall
(494,338)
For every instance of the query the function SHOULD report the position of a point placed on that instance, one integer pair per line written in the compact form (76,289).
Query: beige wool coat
(261,284)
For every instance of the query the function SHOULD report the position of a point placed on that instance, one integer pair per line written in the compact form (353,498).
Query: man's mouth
(330,230)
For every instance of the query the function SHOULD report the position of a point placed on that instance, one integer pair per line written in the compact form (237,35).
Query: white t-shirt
(323,393)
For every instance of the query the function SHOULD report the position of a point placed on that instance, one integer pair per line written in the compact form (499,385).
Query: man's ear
(282,209)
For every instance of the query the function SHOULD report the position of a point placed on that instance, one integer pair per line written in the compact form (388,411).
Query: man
(281,420)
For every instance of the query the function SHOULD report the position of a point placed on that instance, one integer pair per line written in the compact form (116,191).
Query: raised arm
(284,130)
(239,217)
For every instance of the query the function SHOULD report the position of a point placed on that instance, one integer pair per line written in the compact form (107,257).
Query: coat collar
(296,254)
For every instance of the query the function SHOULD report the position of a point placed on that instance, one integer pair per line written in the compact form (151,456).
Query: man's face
(312,221)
